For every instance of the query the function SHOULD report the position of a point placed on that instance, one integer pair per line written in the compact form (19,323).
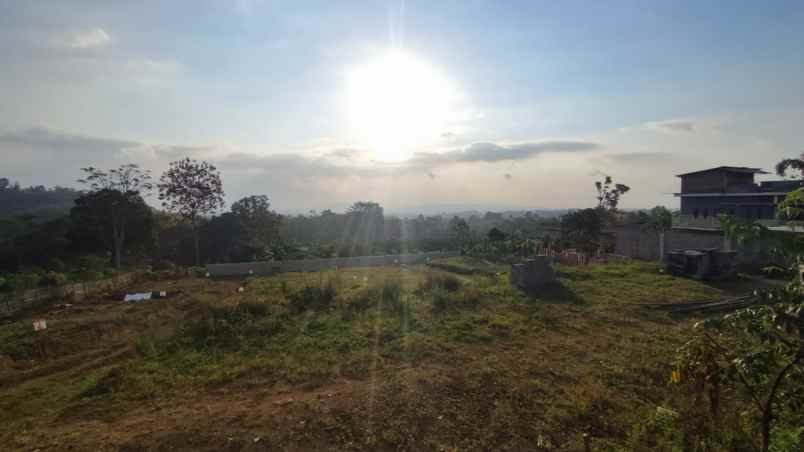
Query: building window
(706,213)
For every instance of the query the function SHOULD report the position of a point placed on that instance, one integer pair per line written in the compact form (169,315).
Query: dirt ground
(589,370)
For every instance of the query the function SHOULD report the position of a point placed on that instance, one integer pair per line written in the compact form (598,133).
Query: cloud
(492,152)
(299,177)
(676,125)
(682,126)
(89,39)
(55,140)
(636,157)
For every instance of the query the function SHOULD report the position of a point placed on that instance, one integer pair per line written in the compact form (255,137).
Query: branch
(742,377)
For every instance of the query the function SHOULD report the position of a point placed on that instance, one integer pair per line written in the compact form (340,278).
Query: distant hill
(23,209)
(468,210)
(35,201)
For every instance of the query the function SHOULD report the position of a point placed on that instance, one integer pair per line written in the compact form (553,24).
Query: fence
(267,268)
(77,291)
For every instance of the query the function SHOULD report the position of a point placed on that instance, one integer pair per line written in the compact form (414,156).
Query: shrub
(197,272)
(56,264)
(52,278)
(232,326)
(313,298)
(387,295)
(441,300)
(443,281)
(92,263)
(25,281)
(391,295)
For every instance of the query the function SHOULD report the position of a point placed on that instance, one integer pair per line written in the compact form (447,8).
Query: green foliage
(757,352)
(583,228)
(313,298)
(52,278)
(21,282)
(435,281)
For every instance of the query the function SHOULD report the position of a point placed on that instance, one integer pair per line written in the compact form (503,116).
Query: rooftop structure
(705,194)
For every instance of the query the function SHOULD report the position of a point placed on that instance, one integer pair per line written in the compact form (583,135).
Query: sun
(396,104)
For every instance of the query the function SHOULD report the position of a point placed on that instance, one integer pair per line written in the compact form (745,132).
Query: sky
(318,104)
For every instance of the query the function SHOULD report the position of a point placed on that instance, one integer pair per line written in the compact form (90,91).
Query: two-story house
(731,190)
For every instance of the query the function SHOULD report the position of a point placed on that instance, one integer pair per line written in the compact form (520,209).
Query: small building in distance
(706,194)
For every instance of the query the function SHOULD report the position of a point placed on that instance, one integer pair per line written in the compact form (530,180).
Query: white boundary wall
(266,268)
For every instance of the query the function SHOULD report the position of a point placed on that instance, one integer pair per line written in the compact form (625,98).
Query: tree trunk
(197,249)
(118,236)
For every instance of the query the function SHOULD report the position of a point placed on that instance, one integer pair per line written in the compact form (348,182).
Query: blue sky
(542,95)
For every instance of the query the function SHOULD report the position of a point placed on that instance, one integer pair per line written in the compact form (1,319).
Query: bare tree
(113,194)
(608,196)
(191,189)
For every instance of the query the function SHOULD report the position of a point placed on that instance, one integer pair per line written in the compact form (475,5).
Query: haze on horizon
(404,103)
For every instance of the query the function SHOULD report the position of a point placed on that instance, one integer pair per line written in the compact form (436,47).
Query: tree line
(110,218)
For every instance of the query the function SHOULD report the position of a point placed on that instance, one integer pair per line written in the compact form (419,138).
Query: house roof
(729,169)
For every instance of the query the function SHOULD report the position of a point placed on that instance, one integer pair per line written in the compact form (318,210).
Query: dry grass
(391,360)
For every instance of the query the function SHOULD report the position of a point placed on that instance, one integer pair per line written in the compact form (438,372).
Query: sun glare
(396,104)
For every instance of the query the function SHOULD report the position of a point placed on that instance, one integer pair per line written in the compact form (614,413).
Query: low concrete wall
(13,302)
(266,268)
(640,243)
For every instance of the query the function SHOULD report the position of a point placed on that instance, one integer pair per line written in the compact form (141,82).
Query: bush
(388,296)
(436,281)
(52,278)
(197,272)
(391,295)
(25,281)
(56,264)
(232,326)
(313,298)
(441,300)
(92,263)
(466,298)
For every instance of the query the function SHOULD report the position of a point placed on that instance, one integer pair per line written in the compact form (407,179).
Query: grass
(418,358)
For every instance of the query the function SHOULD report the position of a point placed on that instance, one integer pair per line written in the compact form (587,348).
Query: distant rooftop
(731,169)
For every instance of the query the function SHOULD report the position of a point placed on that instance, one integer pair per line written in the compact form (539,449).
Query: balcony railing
(713,222)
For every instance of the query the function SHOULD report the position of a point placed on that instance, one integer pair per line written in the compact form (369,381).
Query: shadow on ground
(553,293)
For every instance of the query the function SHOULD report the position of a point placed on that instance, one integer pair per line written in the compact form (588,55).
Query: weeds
(313,298)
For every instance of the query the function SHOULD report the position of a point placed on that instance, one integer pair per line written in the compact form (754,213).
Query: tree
(495,235)
(191,189)
(608,196)
(794,164)
(459,232)
(121,221)
(660,219)
(583,228)
(115,201)
(365,222)
(260,225)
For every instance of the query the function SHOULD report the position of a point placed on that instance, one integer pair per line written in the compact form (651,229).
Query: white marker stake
(39,324)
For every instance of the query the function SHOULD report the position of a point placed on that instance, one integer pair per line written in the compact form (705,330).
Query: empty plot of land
(381,358)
